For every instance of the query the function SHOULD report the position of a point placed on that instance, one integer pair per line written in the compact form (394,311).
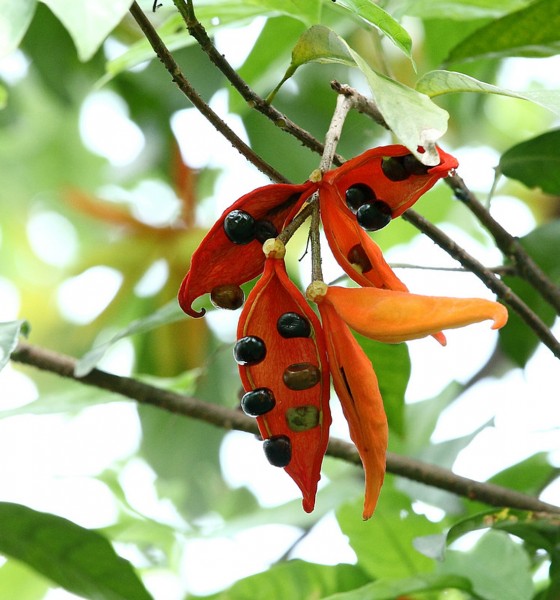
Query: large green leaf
(436,83)
(9,336)
(317,44)
(384,544)
(533,31)
(517,340)
(411,115)
(296,580)
(81,561)
(497,567)
(372,14)
(89,22)
(14,21)
(536,162)
(389,590)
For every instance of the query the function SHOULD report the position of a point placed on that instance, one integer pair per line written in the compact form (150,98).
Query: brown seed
(359,259)
(227,296)
(301,376)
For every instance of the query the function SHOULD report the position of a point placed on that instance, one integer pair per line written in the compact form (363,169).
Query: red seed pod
(294,371)
(395,176)
(220,260)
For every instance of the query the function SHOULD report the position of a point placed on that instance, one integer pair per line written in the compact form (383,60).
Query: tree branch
(509,245)
(198,32)
(185,86)
(226,418)
(487,277)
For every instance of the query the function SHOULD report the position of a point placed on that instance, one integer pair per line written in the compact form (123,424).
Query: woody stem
(343,106)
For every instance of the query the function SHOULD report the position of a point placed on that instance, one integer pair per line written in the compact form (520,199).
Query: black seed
(227,296)
(393,168)
(240,227)
(301,376)
(374,216)
(413,165)
(278,450)
(357,195)
(265,230)
(249,350)
(258,402)
(302,418)
(357,256)
(293,325)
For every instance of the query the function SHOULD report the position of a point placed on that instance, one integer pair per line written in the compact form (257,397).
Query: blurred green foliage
(47,169)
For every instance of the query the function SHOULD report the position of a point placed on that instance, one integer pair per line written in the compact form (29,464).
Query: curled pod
(345,191)
(295,426)
(231,252)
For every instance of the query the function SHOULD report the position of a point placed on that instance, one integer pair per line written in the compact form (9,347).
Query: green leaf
(493,578)
(413,117)
(15,575)
(462,10)
(384,545)
(536,162)
(382,20)
(316,44)
(437,83)
(392,366)
(89,22)
(533,31)
(81,561)
(10,332)
(296,580)
(389,590)
(15,18)
(542,531)
(517,340)
(166,314)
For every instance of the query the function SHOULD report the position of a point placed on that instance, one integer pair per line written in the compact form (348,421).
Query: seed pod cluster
(285,374)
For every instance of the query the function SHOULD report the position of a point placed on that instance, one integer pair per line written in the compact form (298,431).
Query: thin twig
(226,418)
(198,32)
(509,245)
(487,277)
(185,86)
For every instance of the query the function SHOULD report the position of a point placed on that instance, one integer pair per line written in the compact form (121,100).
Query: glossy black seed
(302,418)
(258,402)
(358,194)
(227,296)
(413,165)
(265,230)
(301,376)
(293,325)
(359,259)
(240,227)
(249,350)
(278,450)
(393,168)
(374,216)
